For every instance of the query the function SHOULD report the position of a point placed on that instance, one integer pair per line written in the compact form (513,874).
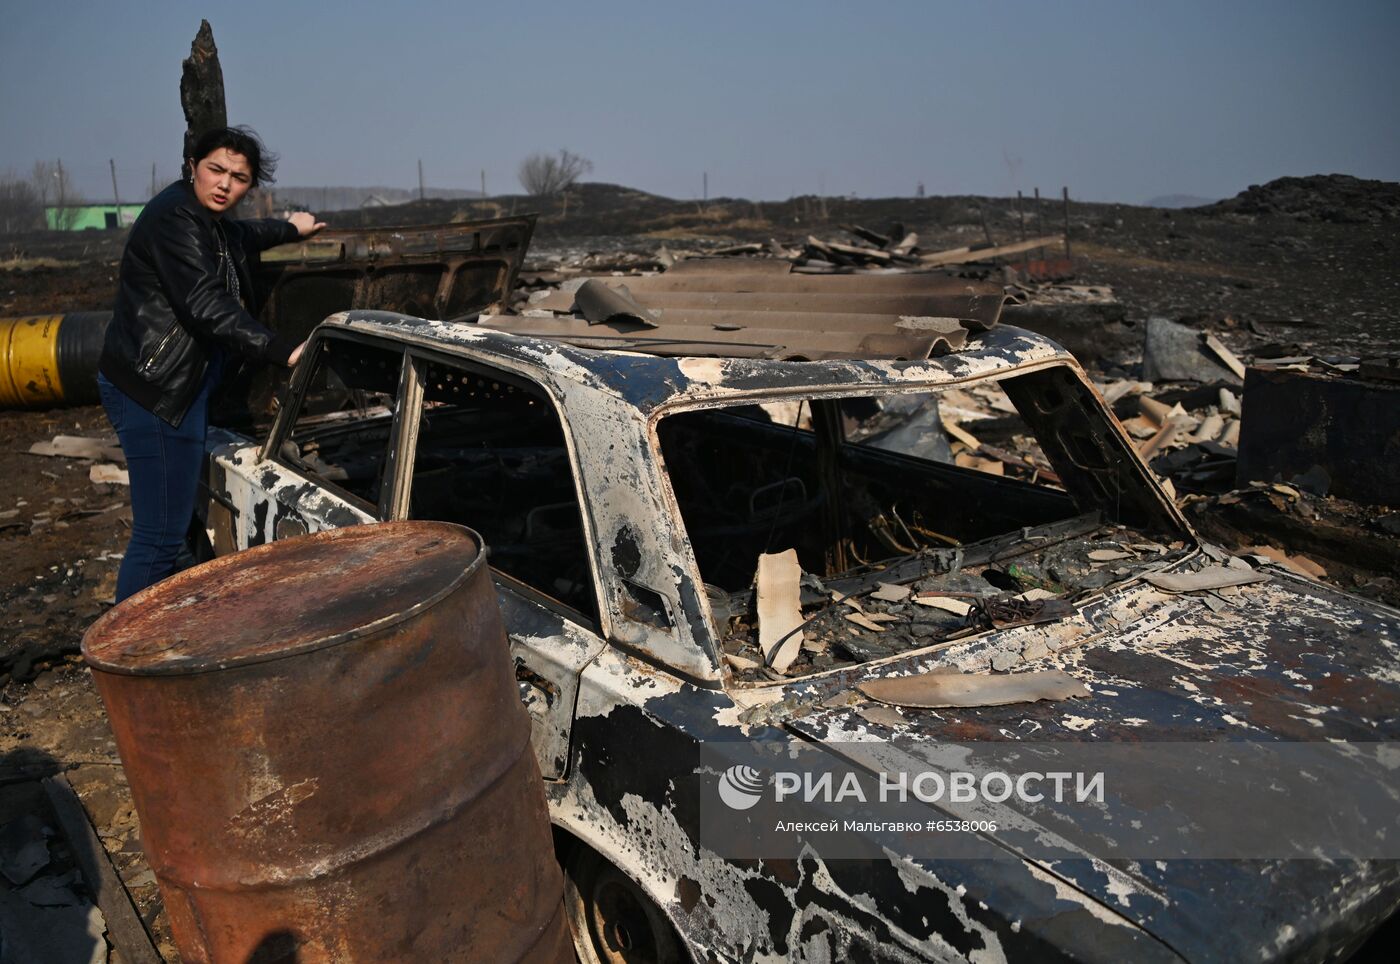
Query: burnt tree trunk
(202,89)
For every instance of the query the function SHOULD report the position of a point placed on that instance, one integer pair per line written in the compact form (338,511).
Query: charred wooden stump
(202,89)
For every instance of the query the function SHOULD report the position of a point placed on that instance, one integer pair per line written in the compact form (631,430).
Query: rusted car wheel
(613,920)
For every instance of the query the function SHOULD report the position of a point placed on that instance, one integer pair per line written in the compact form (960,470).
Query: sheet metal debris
(599,303)
(1212,577)
(939,689)
(768,313)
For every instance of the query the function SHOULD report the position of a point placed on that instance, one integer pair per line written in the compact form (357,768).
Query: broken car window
(907,517)
(340,431)
(491,455)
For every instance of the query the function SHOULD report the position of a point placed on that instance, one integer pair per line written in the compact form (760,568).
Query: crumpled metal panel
(446,270)
(771,314)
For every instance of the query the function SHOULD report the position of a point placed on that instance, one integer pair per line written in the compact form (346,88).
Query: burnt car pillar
(327,750)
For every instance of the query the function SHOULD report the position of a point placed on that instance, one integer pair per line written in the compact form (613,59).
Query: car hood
(1294,661)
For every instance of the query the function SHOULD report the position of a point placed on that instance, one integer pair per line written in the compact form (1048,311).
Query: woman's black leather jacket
(174,304)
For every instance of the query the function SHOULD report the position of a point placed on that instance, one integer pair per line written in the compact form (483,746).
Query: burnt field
(1278,263)
(1287,269)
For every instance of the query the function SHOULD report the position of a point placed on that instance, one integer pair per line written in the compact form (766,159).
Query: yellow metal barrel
(47,361)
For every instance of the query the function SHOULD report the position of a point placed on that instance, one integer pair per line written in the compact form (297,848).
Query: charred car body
(628,468)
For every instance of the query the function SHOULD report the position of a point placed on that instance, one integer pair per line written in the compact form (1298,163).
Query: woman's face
(221,178)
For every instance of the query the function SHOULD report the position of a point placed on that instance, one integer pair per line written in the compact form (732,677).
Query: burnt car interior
(490,454)
(867,492)
(443,271)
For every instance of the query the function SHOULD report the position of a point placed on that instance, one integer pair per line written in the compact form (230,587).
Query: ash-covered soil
(1306,260)
(1302,265)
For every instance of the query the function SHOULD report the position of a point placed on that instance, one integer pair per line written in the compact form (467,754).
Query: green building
(83,217)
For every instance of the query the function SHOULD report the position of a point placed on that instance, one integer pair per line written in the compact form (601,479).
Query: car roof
(650,380)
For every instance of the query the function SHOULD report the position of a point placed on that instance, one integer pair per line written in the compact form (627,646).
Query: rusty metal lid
(284,598)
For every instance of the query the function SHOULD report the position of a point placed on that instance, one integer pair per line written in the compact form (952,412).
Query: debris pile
(1321,537)
(760,308)
(975,427)
(871,250)
(1190,436)
(71,889)
(864,251)
(47,912)
(1339,198)
(795,623)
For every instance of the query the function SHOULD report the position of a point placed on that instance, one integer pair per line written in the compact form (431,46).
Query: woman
(185,301)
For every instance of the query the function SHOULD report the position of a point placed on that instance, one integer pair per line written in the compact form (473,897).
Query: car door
(329,457)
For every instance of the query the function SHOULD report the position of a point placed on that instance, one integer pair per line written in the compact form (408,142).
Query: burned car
(633,458)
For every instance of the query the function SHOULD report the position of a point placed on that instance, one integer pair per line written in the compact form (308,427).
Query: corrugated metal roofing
(730,308)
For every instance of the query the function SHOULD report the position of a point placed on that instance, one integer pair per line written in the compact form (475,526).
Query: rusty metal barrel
(327,750)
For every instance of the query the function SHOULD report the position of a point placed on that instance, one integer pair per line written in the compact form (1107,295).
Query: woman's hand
(295,356)
(306,224)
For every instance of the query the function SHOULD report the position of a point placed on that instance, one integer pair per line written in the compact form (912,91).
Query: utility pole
(1021,215)
(483,183)
(63,218)
(421,194)
(1068,255)
(705,186)
(1039,223)
(153,179)
(117,200)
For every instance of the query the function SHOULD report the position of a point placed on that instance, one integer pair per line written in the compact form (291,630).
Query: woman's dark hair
(240,140)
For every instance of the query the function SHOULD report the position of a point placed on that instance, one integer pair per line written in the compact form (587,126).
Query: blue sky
(1121,101)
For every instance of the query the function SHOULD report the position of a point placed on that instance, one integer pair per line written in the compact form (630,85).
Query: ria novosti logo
(740,787)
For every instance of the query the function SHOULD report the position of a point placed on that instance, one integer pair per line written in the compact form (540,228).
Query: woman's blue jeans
(163,465)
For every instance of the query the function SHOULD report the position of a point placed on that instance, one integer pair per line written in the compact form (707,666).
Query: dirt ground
(1260,273)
